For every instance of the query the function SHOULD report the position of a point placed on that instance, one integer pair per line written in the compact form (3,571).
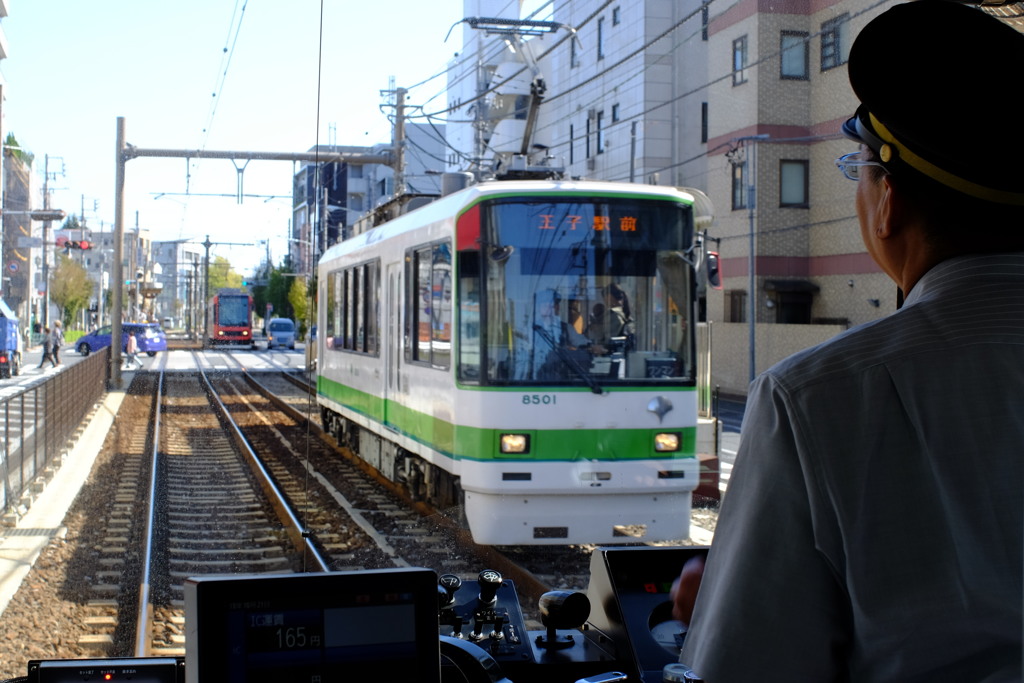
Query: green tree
(70,288)
(278,286)
(259,292)
(222,276)
(298,297)
(24,155)
(71,223)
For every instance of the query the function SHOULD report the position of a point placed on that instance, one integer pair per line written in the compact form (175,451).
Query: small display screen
(278,643)
(314,628)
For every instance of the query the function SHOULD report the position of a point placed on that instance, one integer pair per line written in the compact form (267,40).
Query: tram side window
(469,316)
(429,305)
(347,305)
(358,323)
(352,315)
(332,330)
(371,312)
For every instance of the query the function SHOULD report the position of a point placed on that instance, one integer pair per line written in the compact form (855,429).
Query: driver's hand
(684,589)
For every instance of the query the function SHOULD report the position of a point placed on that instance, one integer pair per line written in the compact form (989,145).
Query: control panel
(392,624)
(484,612)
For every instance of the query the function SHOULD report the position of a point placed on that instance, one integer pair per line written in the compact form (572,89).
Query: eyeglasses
(850,165)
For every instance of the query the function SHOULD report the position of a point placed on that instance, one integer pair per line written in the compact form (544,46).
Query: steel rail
(144,608)
(530,587)
(301,539)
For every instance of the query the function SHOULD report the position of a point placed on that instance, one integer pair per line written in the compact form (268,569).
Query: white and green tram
(470,350)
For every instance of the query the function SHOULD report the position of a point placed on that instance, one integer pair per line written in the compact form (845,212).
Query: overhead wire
(222,76)
(497,46)
(227,52)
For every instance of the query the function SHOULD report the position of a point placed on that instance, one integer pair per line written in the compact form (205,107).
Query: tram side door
(392,349)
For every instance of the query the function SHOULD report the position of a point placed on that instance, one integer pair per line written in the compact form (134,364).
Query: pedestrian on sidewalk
(47,349)
(132,352)
(57,341)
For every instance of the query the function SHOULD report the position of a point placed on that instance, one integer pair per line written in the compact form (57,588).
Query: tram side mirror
(711,269)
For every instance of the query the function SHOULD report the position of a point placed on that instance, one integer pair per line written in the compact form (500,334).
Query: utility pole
(399,143)
(751,176)
(46,242)
(117,268)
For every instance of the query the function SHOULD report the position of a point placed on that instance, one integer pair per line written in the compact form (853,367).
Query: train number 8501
(539,399)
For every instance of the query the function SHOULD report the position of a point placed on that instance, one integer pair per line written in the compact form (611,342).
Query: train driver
(874,522)
(556,344)
(611,322)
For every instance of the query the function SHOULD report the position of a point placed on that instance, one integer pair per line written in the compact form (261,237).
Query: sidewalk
(21,545)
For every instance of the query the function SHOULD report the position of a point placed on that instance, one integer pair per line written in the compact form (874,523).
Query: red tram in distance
(229,318)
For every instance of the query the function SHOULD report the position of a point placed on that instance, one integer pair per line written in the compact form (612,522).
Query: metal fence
(37,425)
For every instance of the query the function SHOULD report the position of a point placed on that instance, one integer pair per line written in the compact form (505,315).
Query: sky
(216,75)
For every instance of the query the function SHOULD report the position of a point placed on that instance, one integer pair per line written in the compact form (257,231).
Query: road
(730,413)
(30,371)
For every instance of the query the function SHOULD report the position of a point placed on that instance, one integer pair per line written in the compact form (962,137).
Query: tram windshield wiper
(569,360)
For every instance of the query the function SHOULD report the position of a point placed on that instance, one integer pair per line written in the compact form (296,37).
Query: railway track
(211,514)
(354,521)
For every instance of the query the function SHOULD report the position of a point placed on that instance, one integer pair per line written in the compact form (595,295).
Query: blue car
(150,336)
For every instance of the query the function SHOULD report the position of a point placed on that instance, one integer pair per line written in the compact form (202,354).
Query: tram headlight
(667,442)
(515,443)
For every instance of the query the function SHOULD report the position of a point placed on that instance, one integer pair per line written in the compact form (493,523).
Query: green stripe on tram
(463,442)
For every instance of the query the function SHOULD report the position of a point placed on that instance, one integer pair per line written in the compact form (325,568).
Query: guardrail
(38,425)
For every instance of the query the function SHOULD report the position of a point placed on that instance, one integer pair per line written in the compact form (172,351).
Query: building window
(574,57)
(600,132)
(705,19)
(793,188)
(616,16)
(739,185)
(794,63)
(600,38)
(736,305)
(834,42)
(587,139)
(572,143)
(615,113)
(739,60)
(703,121)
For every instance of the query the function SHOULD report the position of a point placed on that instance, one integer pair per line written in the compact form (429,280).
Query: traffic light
(76,244)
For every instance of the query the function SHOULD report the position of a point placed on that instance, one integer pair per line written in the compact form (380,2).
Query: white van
(280,332)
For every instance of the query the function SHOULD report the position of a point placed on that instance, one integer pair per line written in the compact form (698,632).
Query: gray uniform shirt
(872,529)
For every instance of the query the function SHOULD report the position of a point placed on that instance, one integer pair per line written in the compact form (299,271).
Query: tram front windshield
(233,311)
(578,292)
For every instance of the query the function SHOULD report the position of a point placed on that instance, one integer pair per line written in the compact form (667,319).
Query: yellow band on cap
(945,177)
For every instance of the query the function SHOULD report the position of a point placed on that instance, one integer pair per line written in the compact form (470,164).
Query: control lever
(490,582)
(561,609)
(485,613)
(449,583)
